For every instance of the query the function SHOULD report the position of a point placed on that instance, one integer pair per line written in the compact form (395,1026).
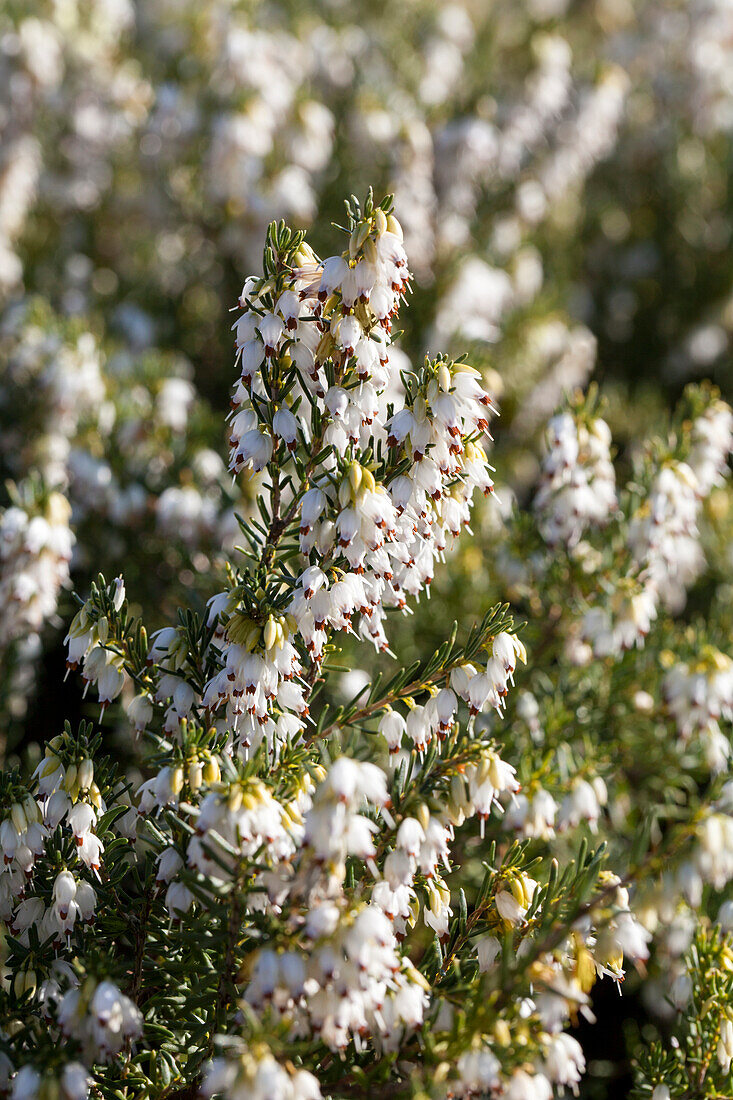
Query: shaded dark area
(605,1042)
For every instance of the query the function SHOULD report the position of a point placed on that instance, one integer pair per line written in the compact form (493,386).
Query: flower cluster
(35,552)
(395,481)
(699,697)
(256,1074)
(100,1017)
(662,535)
(578,486)
(67,800)
(72,1084)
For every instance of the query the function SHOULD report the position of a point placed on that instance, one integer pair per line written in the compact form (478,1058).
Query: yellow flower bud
(235,799)
(516,887)
(328,307)
(293,812)
(368,483)
(212,771)
(718,504)
(502,1033)
(585,970)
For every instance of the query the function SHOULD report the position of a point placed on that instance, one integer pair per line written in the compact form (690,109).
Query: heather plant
(560,173)
(407,886)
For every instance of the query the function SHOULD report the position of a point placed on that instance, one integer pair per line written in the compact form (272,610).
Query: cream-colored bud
(30,809)
(355,476)
(86,774)
(17,816)
(52,763)
(270,636)
(344,493)
(435,899)
(483,770)
(380,221)
(58,509)
(304,255)
(195,774)
(502,1033)
(358,236)
(458,792)
(70,778)
(494,773)
(444,377)
(25,982)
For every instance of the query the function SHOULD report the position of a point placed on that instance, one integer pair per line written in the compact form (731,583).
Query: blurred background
(561,171)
